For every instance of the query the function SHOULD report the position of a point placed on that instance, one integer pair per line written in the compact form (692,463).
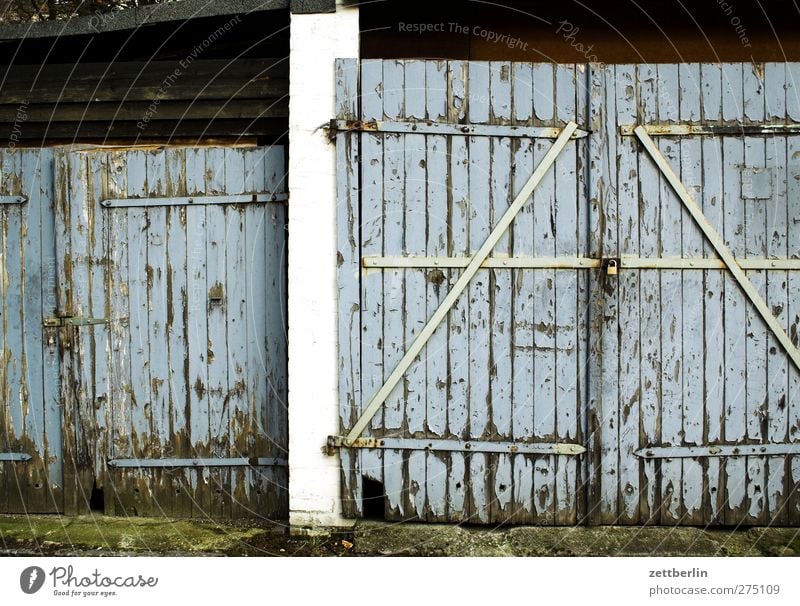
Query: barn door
(30,409)
(173,278)
(698,406)
(481,416)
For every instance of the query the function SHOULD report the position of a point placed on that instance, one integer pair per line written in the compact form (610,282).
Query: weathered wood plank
(414,281)
(735,302)
(777,232)
(348,220)
(714,285)
(197,329)
(566,209)
(500,293)
(756,342)
(650,302)
(522,306)
(394,318)
(217,304)
(478,290)
(437,379)
(544,303)
(458,332)
(120,487)
(672,366)
(692,300)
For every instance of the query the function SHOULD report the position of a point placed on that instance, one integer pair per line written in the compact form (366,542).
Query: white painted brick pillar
(314,478)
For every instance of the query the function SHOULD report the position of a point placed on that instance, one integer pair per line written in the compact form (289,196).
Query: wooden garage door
(172,291)
(627,353)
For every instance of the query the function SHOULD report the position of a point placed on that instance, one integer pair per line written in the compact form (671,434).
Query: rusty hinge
(72,321)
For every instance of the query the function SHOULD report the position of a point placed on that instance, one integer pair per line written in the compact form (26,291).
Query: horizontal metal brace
(523,262)
(449,128)
(212,462)
(255,198)
(710,130)
(19,457)
(457,446)
(13,199)
(721,450)
(72,321)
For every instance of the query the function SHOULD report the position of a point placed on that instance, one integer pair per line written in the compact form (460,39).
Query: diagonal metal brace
(719,244)
(475,262)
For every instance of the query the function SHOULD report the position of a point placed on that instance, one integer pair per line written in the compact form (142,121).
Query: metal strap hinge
(429,127)
(453,445)
(72,321)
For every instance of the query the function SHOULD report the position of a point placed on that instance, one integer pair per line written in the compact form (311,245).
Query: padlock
(611,267)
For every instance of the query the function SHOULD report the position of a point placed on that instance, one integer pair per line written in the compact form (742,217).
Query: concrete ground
(99,535)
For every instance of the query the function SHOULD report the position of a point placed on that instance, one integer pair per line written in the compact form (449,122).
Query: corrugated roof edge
(136,17)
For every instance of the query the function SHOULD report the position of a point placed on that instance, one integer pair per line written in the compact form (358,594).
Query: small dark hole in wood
(37,485)
(502,487)
(372,499)
(96,500)
(178,491)
(218,491)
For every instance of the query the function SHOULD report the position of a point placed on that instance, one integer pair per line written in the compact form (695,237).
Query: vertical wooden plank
(157,345)
(714,287)
(373,343)
(756,342)
(735,302)
(693,299)
(31,314)
(609,387)
(141,390)
(119,499)
(45,190)
(348,221)
(14,391)
(777,228)
(197,330)
(218,302)
(792,484)
(630,390)
(394,318)
(650,303)
(522,306)
(478,291)
(437,379)
(277,370)
(6,429)
(179,414)
(566,297)
(458,333)
(500,294)
(96,307)
(672,367)
(544,302)
(239,428)
(414,290)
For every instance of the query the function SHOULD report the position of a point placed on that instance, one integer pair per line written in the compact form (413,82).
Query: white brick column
(316,40)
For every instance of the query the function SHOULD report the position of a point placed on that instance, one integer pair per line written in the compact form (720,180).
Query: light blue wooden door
(488,422)
(175,259)
(30,398)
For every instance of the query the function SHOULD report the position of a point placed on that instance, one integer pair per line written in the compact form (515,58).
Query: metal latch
(72,321)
